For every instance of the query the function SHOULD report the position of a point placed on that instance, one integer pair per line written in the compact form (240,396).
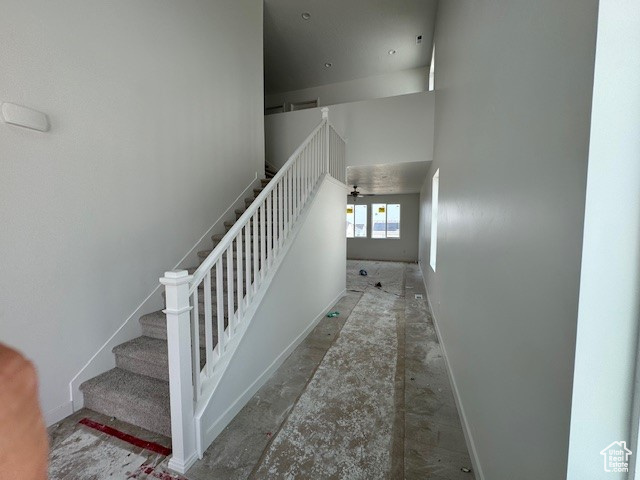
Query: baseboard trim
(182,467)
(103,360)
(468,437)
(214,430)
(56,414)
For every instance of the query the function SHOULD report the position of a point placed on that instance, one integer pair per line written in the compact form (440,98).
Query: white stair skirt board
(104,360)
(316,250)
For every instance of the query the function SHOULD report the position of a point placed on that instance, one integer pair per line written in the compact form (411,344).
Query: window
(294,107)
(435,186)
(385,220)
(356,221)
(274,109)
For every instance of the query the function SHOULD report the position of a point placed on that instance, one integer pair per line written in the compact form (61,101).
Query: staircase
(165,379)
(137,390)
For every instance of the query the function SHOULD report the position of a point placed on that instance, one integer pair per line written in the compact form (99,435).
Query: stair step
(130,397)
(265,181)
(144,356)
(154,325)
(149,356)
(249,200)
(216,239)
(214,294)
(202,254)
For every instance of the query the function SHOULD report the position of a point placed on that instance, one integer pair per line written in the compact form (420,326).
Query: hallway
(366,395)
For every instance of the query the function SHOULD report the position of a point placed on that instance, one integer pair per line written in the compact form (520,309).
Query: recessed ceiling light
(306,15)
(392,52)
(328,65)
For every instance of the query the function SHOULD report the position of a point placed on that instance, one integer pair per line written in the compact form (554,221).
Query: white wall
(513,96)
(148,105)
(311,278)
(381,131)
(379,86)
(404,249)
(609,306)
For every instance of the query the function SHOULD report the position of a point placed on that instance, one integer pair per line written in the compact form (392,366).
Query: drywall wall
(403,249)
(379,86)
(290,308)
(380,131)
(609,308)
(513,95)
(147,105)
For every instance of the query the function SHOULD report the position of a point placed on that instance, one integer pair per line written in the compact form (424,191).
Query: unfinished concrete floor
(365,396)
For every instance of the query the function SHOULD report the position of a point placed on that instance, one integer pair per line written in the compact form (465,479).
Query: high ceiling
(354,36)
(389,178)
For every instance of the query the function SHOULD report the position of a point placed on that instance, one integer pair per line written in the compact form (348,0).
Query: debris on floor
(85,455)
(363,272)
(378,285)
(100,452)
(333,314)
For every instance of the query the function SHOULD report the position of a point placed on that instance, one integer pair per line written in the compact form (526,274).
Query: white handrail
(219,250)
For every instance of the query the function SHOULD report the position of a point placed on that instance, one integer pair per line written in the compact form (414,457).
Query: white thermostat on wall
(24,117)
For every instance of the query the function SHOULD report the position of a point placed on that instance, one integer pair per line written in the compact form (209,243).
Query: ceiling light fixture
(306,15)
(328,65)
(392,52)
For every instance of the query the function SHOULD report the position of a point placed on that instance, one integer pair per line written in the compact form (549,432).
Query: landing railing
(225,285)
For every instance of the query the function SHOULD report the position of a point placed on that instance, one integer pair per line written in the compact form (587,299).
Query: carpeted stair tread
(205,253)
(155,325)
(144,356)
(144,348)
(133,398)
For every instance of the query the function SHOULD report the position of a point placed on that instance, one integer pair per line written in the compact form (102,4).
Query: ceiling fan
(355,194)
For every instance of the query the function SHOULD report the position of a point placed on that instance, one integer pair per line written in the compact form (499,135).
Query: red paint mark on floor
(146,471)
(138,442)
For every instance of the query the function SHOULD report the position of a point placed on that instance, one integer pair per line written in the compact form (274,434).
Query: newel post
(325,117)
(178,312)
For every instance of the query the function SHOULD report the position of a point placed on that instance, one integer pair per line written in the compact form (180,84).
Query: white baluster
(208,323)
(287,201)
(280,214)
(247,254)
(239,273)
(325,116)
(195,334)
(230,297)
(263,243)
(269,229)
(220,304)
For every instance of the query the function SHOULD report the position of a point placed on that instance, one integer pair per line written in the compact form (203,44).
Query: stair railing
(229,279)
